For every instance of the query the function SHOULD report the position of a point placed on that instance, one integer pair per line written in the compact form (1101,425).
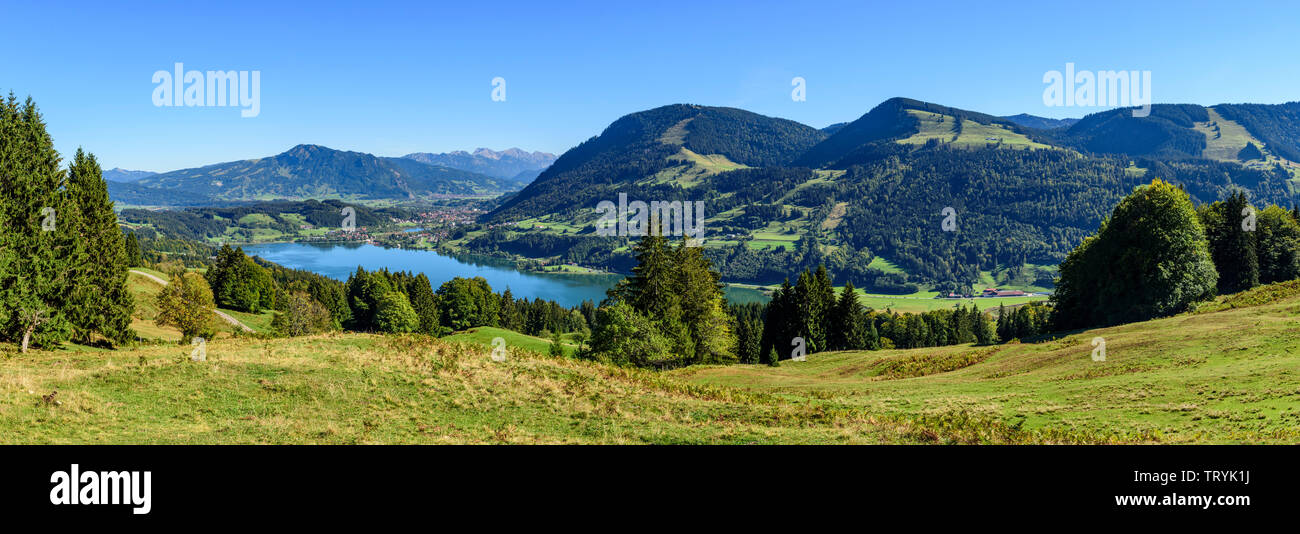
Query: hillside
(870,192)
(118,174)
(894,120)
(1229,374)
(310,171)
(646,154)
(356,389)
(256,221)
(1041,123)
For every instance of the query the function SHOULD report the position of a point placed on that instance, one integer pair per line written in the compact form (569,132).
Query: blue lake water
(339,260)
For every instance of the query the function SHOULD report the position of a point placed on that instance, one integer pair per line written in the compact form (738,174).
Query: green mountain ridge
(781,196)
(640,145)
(311,171)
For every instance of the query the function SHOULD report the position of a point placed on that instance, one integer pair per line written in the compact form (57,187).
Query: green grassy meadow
(1226,373)
(1229,374)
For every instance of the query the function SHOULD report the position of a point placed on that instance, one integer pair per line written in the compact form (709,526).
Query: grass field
(1228,375)
(1229,372)
(973,134)
(483,336)
(355,388)
(918,304)
(145,291)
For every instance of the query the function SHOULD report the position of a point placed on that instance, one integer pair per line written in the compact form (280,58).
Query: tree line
(1157,255)
(63,259)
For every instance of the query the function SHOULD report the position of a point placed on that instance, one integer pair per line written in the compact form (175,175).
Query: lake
(339,260)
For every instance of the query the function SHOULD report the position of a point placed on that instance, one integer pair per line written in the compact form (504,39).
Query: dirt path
(226,317)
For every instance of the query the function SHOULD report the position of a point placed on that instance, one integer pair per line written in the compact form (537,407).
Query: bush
(625,337)
(302,316)
(186,303)
(394,314)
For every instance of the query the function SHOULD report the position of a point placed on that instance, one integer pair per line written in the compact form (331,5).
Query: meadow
(1228,372)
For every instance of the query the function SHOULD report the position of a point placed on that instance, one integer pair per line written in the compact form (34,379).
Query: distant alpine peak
(506,164)
(513,152)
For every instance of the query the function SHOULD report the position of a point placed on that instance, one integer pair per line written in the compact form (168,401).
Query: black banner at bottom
(167,485)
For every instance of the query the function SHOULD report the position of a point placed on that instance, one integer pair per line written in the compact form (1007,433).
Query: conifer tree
(134,258)
(99,299)
(873,334)
(36,248)
(702,301)
(781,325)
(850,329)
(823,302)
(1232,243)
(555,350)
(425,304)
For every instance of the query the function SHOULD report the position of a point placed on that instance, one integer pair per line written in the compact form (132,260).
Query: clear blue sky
(397,77)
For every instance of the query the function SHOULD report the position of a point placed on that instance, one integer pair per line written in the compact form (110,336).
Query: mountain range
(511,163)
(782,194)
(309,171)
(121,175)
(863,196)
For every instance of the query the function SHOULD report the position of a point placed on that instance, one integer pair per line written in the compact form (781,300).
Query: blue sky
(391,78)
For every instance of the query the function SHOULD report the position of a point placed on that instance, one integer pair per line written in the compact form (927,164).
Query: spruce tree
(424,303)
(1232,244)
(36,247)
(1004,329)
(780,326)
(849,331)
(823,299)
(99,299)
(702,302)
(873,334)
(983,329)
(134,258)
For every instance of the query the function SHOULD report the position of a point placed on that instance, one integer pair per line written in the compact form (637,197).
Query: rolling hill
(311,171)
(903,119)
(651,151)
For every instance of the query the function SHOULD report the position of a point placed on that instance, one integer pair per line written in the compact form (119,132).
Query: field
(1228,373)
(919,302)
(483,336)
(973,134)
(356,389)
(145,290)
